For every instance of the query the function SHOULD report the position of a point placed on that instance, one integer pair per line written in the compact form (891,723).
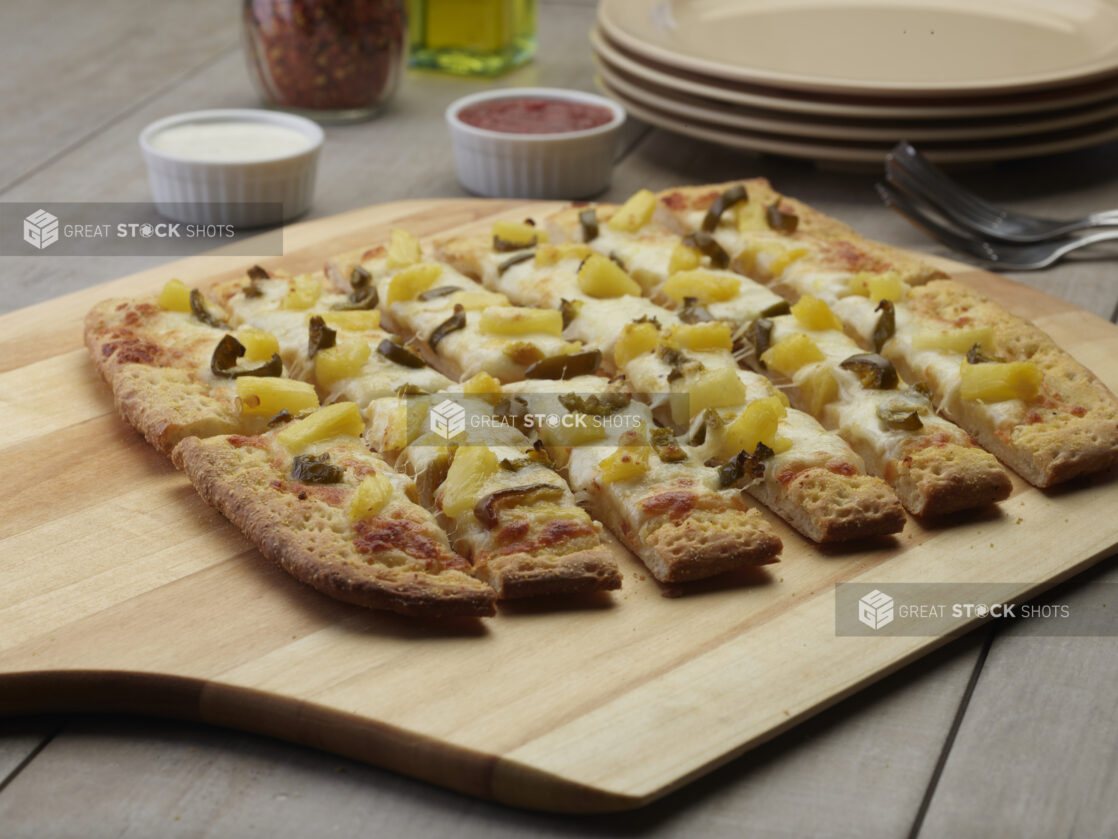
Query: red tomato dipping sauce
(526,115)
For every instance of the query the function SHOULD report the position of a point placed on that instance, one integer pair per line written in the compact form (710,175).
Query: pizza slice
(177,369)
(998,376)
(680,517)
(766,233)
(934,466)
(498,495)
(329,338)
(461,329)
(335,516)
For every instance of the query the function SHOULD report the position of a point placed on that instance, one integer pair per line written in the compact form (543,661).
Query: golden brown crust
(1070,429)
(833,245)
(312,540)
(158,379)
(709,536)
(829,507)
(521,575)
(940,479)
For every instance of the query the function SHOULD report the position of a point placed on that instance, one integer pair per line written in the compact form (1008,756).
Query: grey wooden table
(1003,733)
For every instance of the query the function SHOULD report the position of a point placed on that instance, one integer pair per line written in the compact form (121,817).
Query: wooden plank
(21,738)
(72,81)
(190,780)
(1038,738)
(149,587)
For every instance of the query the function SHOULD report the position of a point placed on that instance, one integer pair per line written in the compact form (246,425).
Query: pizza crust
(829,507)
(312,540)
(834,245)
(159,389)
(1071,430)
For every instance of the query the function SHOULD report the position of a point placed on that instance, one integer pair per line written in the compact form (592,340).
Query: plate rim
(821,84)
(791,101)
(810,129)
(806,149)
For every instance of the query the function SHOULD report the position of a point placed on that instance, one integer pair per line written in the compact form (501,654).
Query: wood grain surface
(124,591)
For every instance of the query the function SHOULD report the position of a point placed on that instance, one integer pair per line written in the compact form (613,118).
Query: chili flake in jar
(335,59)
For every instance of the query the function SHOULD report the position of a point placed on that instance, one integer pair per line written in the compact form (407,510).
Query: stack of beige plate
(843,80)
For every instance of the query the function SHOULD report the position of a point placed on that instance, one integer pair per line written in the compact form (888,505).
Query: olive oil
(471,37)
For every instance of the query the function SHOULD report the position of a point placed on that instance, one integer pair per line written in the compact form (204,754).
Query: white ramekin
(573,164)
(246,193)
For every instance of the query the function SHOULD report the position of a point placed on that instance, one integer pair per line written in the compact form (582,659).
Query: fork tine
(900,203)
(931,180)
(947,204)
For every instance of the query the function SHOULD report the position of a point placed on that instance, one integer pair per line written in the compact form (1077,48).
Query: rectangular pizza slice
(331,339)
(459,328)
(934,466)
(757,226)
(335,516)
(998,376)
(676,514)
(499,497)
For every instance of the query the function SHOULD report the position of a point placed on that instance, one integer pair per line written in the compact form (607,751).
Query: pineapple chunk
(999,381)
(471,468)
(749,216)
(705,286)
(331,421)
(395,427)
(778,264)
(370,497)
(175,297)
(304,292)
(878,287)
(365,320)
(626,463)
(259,345)
(548,255)
(411,282)
(518,233)
(602,277)
(957,340)
(483,385)
(473,301)
(791,353)
(266,396)
(576,429)
(403,249)
(721,388)
(634,213)
(518,320)
(813,313)
(635,340)
(344,360)
(819,388)
(758,423)
(684,258)
(714,335)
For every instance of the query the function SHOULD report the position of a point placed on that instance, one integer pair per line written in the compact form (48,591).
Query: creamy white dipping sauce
(230,140)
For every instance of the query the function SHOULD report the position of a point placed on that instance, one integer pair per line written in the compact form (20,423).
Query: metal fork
(916,175)
(1004,255)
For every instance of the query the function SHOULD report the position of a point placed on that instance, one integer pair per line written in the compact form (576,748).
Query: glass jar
(471,37)
(331,60)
